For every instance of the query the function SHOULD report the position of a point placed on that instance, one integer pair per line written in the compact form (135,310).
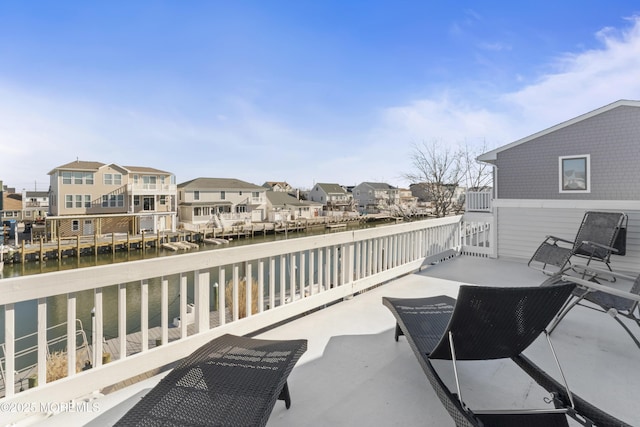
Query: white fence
(136,300)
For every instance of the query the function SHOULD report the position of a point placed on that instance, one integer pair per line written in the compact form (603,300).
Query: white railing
(152,188)
(290,278)
(478,201)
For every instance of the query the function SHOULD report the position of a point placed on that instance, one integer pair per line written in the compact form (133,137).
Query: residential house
(220,202)
(87,198)
(35,205)
(407,200)
(11,205)
(284,207)
(544,183)
(335,199)
(278,186)
(372,197)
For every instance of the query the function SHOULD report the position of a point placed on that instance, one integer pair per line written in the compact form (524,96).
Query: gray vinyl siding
(612,139)
(521,230)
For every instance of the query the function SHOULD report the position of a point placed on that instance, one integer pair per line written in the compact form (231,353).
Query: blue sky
(300,91)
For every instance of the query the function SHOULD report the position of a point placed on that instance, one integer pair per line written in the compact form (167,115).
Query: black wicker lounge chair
(600,235)
(603,298)
(230,381)
(491,323)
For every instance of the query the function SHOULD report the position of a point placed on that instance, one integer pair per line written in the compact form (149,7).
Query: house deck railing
(131,305)
(478,201)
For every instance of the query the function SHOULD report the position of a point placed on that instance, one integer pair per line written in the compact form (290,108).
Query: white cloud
(579,83)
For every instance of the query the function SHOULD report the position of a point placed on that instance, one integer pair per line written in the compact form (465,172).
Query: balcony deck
(354,373)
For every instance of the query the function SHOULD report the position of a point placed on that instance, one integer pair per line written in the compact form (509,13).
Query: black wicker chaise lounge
(487,323)
(230,381)
(600,235)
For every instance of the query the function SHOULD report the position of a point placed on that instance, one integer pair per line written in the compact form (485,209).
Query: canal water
(26,312)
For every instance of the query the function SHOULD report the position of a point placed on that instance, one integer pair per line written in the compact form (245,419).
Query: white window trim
(587,177)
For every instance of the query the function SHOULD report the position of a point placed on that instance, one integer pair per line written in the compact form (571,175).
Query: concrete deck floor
(354,373)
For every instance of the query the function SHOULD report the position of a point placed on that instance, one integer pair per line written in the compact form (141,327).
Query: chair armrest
(558,239)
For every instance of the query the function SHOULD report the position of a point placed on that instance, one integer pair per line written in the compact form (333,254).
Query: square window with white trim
(575,174)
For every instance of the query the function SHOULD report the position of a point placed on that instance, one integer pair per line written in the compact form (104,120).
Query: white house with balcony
(207,203)
(284,207)
(334,197)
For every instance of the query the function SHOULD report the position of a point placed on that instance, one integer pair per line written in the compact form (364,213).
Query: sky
(322,91)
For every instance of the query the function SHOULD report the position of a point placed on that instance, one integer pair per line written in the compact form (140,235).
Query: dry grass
(57,364)
(242,297)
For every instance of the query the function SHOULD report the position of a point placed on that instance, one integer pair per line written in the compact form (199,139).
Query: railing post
(201,297)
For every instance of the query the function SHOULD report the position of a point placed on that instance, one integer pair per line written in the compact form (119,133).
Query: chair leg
(398,332)
(284,395)
(626,328)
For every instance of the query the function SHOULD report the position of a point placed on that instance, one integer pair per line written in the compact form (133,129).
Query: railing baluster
(183,305)
(164,310)
(43,349)
(71,335)
(9,349)
(144,315)
(98,331)
(122,320)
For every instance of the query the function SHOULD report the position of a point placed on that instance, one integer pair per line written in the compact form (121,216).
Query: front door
(87,227)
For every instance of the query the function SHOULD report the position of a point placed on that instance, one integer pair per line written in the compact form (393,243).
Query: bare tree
(438,170)
(477,175)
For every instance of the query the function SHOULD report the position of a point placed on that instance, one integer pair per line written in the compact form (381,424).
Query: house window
(120,200)
(148,204)
(117,179)
(223,195)
(105,201)
(108,179)
(197,211)
(163,200)
(66,177)
(87,201)
(27,214)
(77,177)
(575,174)
(88,178)
(241,208)
(68,201)
(196,195)
(75,225)
(136,200)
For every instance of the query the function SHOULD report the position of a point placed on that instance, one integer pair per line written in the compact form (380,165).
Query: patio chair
(606,299)
(230,381)
(486,323)
(600,235)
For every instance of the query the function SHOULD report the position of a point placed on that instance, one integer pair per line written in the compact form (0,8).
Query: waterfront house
(372,197)
(11,205)
(220,203)
(35,205)
(335,199)
(544,183)
(284,207)
(87,198)
(278,186)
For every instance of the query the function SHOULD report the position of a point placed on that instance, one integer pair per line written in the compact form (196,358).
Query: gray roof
(279,198)
(379,185)
(332,188)
(219,184)
(79,165)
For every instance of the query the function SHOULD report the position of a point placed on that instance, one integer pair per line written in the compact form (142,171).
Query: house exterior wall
(531,170)
(209,202)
